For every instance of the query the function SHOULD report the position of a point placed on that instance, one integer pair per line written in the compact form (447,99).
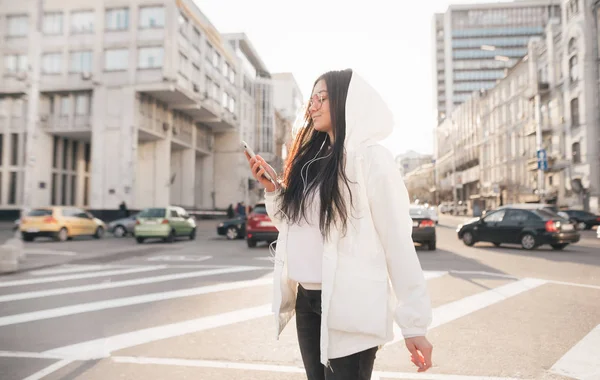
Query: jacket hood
(368,118)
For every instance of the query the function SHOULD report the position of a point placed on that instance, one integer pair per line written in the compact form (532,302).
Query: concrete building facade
(141,101)
(475,43)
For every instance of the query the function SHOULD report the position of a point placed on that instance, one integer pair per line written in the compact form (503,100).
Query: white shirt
(305,246)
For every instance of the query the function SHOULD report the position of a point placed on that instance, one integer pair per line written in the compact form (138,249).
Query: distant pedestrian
(124,210)
(241,210)
(230,212)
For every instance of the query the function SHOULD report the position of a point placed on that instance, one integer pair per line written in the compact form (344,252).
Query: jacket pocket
(359,300)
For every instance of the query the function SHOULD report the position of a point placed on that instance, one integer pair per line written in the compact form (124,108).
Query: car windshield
(40,212)
(417,212)
(152,213)
(260,210)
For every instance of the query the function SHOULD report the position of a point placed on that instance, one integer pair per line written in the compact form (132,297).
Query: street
(114,309)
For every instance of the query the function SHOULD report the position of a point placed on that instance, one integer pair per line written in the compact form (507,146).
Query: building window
(65,153)
(51,63)
(14,149)
(16,63)
(196,39)
(17,26)
(63,192)
(209,53)
(576,152)
(12,188)
(183,65)
(575,112)
(116,59)
(183,25)
(117,19)
(573,69)
(53,187)
(150,57)
(231,104)
(53,23)
(87,155)
(224,99)
(195,74)
(74,153)
(82,22)
(86,189)
(65,106)
(55,152)
(152,17)
(82,104)
(216,59)
(81,62)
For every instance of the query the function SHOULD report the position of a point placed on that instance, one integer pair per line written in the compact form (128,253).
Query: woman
(342,212)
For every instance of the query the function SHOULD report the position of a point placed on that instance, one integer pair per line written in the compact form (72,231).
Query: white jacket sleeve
(389,203)
(272,206)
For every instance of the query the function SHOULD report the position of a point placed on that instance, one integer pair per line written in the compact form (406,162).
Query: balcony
(204,141)
(73,126)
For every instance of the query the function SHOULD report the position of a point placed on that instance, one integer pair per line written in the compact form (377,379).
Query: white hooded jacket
(358,303)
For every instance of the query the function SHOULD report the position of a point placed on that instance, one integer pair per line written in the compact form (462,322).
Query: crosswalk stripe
(70,269)
(582,361)
(457,309)
(49,370)
(81,276)
(127,301)
(286,368)
(120,284)
(103,347)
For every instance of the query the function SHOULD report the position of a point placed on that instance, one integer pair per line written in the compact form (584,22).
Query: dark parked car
(423,227)
(582,219)
(530,227)
(232,228)
(259,226)
(122,227)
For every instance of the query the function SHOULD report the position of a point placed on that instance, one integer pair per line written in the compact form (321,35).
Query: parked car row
(63,223)
(258,227)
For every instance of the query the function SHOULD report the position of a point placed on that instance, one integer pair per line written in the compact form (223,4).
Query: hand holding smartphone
(261,171)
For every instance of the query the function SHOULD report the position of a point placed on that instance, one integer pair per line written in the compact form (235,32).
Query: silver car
(122,227)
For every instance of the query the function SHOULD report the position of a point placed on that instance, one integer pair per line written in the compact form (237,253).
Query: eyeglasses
(316,101)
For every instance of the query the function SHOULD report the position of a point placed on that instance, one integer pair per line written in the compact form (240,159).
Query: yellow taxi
(60,223)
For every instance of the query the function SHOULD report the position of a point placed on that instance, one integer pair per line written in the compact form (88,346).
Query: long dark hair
(327,173)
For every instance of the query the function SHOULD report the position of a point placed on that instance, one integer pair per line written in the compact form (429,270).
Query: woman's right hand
(258,172)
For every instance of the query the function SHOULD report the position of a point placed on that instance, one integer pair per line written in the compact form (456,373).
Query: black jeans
(358,366)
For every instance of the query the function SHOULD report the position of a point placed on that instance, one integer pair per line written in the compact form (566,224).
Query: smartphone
(250,152)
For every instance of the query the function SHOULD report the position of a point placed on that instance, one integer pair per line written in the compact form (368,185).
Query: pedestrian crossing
(215,322)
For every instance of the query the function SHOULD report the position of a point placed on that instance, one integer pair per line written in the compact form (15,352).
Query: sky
(388,42)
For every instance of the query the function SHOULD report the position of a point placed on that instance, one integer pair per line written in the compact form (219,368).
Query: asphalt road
(113,309)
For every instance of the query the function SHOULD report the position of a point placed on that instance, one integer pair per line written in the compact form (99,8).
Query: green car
(164,223)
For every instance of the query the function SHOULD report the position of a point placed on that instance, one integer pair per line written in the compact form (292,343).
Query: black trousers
(358,366)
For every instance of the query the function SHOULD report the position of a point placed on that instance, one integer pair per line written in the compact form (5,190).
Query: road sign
(542,160)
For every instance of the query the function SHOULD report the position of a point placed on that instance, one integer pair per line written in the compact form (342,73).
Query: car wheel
(431,245)
(62,235)
(497,244)
(193,234)
(581,226)
(251,243)
(468,239)
(140,240)
(528,242)
(28,237)
(232,233)
(119,231)
(171,237)
(558,247)
(99,233)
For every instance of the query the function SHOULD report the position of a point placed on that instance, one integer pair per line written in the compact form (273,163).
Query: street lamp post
(33,95)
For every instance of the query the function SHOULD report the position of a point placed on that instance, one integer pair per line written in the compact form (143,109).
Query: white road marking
(30,251)
(120,284)
(29,355)
(49,370)
(103,347)
(287,369)
(574,284)
(32,281)
(71,269)
(179,258)
(582,361)
(451,311)
(127,301)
